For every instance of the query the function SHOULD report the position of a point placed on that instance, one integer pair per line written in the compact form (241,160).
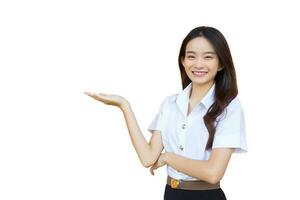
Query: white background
(57,143)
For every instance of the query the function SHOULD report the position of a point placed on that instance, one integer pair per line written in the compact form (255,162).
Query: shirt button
(183,126)
(181,147)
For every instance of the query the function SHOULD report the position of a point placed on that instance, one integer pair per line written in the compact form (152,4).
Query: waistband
(191,185)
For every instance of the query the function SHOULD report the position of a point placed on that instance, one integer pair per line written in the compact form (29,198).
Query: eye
(209,57)
(190,56)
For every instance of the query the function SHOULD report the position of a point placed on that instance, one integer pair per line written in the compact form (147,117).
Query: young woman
(200,127)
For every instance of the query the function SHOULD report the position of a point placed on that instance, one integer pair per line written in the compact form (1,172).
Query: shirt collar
(183,98)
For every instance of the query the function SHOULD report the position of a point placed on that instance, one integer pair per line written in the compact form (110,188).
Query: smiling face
(201,62)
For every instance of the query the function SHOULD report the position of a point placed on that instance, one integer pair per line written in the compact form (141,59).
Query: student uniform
(187,135)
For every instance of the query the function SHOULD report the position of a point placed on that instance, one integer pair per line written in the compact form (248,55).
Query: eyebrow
(206,52)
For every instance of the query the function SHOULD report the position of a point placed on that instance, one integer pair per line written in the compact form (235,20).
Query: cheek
(188,64)
(188,68)
(187,71)
(214,71)
(214,66)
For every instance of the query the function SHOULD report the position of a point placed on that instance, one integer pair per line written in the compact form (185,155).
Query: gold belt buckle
(175,183)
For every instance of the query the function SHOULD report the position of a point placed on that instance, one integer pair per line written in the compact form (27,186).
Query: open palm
(114,100)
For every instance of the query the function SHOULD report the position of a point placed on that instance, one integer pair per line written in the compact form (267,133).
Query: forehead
(199,45)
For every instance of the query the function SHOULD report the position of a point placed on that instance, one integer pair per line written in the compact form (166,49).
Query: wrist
(165,157)
(125,105)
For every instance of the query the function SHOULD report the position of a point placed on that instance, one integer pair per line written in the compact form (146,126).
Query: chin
(201,82)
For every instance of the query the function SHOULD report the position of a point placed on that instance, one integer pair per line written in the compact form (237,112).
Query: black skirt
(180,194)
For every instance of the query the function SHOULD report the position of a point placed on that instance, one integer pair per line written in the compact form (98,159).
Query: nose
(199,63)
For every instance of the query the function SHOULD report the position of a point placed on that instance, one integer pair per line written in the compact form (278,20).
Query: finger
(95,96)
(102,94)
(152,172)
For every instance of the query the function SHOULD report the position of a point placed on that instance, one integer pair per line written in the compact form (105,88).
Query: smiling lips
(199,73)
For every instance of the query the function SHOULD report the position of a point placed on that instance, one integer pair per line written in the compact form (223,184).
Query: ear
(182,59)
(220,69)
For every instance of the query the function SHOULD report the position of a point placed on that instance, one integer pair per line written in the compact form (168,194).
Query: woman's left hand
(159,163)
(109,99)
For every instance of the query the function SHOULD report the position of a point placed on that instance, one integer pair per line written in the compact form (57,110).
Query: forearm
(200,169)
(138,140)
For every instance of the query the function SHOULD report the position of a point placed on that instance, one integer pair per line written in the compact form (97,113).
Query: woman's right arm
(148,153)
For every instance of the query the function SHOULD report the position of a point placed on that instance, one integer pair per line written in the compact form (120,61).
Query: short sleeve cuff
(155,124)
(230,141)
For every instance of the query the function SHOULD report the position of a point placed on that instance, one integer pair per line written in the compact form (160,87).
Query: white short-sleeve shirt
(187,135)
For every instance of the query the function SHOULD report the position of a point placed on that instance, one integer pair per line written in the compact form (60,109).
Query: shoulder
(233,109)
(168,100)
(235,104)
(171,98)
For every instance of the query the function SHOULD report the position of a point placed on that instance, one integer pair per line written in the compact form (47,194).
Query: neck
(198,91)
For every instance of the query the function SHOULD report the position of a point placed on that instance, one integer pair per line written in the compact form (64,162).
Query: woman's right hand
(114,100)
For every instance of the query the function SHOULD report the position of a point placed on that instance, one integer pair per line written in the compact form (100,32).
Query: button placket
(182,136)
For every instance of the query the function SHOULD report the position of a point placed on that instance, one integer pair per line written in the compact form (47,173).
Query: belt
(191,185)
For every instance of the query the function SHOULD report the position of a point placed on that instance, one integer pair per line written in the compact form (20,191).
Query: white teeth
(199,73)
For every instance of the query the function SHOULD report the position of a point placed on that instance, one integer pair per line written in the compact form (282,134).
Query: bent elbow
(215,178)
(147,164)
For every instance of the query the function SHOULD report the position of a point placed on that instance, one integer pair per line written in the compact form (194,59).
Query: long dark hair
(225,80)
